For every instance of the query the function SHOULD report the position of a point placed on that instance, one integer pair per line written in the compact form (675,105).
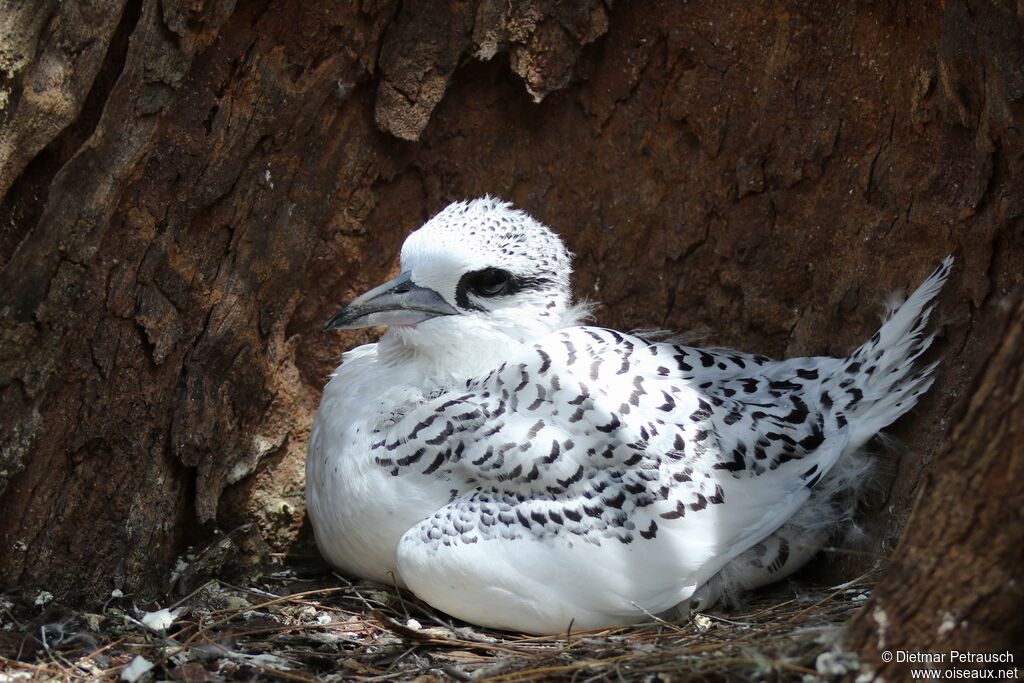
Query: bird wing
(655,461)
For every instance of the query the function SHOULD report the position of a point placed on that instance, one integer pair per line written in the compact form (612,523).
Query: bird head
(478,271)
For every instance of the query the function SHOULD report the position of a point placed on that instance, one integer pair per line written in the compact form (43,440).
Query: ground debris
(315,625)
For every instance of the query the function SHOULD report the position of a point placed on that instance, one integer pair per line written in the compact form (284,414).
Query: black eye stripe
(515,284)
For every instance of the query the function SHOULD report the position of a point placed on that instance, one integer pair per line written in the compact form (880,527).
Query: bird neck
(454,349)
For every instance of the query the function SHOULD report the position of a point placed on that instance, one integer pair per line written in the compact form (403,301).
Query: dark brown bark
(956,581)
(219,178)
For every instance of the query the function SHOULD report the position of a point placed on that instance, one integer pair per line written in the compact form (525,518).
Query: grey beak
(396,302)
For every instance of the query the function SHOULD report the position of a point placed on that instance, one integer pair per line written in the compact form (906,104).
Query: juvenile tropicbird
(519,470)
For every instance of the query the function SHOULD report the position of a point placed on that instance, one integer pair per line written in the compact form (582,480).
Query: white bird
(521,471)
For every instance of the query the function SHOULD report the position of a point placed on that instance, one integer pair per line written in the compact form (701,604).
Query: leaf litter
(306,623)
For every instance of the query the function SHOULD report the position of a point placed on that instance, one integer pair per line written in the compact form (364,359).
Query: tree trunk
(955,581)
(190,187)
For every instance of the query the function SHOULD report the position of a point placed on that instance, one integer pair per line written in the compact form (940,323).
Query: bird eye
(490,282)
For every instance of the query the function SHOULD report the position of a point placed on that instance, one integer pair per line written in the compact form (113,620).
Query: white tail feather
(879,381)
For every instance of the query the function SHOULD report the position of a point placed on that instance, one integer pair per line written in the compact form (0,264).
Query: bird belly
(545,586)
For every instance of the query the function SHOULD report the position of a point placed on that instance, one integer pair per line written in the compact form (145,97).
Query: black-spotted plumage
(519,470)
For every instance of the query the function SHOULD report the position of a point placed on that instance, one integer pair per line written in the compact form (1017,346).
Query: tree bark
(190,187)
(955,581)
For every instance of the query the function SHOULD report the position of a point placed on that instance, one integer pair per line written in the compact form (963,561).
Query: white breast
(358,510)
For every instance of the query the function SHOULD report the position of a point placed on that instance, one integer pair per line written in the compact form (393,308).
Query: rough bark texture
(191,187)
(962,554)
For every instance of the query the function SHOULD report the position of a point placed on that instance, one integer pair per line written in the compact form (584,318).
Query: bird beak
(396,302)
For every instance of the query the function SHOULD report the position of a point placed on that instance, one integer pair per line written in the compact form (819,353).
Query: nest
(299,624)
